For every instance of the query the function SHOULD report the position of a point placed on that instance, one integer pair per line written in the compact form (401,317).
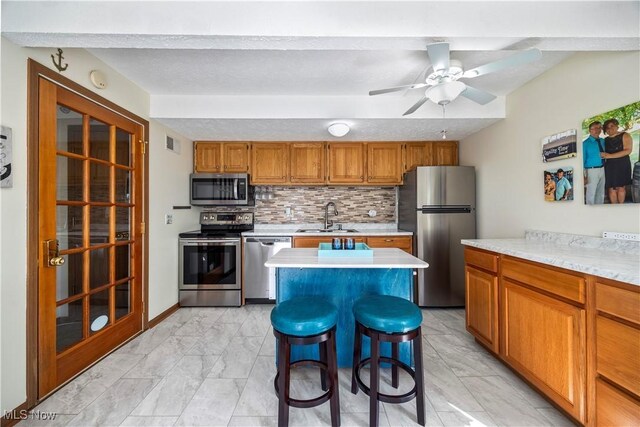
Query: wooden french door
(90,232)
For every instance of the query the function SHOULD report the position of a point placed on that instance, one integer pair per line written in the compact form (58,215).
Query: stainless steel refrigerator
(438,204)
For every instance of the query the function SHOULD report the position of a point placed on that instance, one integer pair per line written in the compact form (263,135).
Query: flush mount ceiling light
(338,129)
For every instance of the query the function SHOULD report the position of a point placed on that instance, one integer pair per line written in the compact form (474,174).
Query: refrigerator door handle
(446,209)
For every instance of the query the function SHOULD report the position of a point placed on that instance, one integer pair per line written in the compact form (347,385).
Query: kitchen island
(342,280)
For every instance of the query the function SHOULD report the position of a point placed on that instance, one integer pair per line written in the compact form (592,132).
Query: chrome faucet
(327,223)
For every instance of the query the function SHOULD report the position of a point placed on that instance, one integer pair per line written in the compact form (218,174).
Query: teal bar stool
(387,319)
(305,321)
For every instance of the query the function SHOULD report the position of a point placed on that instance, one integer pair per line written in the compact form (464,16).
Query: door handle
(52,248)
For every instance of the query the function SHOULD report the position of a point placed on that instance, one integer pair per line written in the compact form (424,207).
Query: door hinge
(143,228)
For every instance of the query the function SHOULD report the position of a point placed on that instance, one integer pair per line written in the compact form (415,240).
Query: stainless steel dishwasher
(260,281)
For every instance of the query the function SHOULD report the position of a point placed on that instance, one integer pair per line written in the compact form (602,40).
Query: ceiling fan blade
(439,56)
(519,58)
(397,89)
(477,95)
(416,106)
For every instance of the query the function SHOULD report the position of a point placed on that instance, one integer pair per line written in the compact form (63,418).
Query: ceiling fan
(443,84)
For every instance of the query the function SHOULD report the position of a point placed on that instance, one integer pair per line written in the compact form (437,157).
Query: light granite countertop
(292,230)
(308,258)
(608,258)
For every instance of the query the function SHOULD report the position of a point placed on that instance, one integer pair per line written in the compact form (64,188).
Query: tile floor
(215,367)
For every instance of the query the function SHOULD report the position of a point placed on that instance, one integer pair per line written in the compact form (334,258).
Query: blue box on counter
(361,250)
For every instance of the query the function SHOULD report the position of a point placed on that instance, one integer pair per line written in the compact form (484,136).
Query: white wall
(508,159)
(168,187)
(13,201)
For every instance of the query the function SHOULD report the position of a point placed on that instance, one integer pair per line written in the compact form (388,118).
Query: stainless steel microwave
(220,189)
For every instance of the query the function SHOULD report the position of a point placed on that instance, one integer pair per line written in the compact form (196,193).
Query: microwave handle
(235,189)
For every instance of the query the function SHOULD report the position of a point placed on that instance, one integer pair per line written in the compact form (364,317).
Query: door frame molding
(36,70)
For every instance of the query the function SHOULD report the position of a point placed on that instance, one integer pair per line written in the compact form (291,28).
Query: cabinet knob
(361,177)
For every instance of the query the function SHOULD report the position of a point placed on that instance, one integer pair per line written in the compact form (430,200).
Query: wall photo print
(610,151)
(559,146)
(6,179)
(558,184)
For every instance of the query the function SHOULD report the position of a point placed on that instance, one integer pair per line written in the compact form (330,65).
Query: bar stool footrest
(383,397)
(308,403)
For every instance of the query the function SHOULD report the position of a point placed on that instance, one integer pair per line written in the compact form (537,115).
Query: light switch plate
(621,236)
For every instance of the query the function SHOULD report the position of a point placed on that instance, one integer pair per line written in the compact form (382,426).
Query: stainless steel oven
(210,260)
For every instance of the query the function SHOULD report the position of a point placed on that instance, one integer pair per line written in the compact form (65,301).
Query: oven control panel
(226,218)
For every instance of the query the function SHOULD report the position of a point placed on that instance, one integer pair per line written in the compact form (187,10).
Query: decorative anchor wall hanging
(58,64)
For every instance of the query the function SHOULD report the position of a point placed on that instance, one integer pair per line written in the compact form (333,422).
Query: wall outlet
(621,236)
(168,219)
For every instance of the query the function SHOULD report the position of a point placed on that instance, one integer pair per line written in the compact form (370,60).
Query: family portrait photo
(558,184)
(610,151)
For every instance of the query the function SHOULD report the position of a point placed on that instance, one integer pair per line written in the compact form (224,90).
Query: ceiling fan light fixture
(444,93)
(338,129)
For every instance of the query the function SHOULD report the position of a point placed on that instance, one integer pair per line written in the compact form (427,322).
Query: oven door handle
(212,242)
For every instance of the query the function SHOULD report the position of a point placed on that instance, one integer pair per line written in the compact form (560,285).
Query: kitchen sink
(326,230)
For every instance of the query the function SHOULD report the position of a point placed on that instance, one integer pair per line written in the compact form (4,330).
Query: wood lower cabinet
(346,162)
(615,407)
(544,340)
(221,157)
(384,163)
(482,306)
(400,242)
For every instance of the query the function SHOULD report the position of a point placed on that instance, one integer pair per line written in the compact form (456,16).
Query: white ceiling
(274,70)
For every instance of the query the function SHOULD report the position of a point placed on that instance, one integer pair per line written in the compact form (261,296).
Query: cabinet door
(614,408)
(446,153)
(544,340)
(269,163)
(307,162)
(346,162)
(235,157)
(384,163)
(482,306)
(207,157)
(401,242)
(418,154)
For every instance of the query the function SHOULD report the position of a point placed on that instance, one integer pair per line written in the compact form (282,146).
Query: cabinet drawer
(619,302)
(614,408)
(485,260)
(542,277)
(618,353)
(400,242)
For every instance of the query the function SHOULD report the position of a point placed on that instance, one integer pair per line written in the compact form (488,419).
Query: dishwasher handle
(268,241)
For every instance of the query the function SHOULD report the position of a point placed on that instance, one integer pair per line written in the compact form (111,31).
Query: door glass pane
(69,226)
(68,325)
(122,262)
(123,186)
(99,140)
(98,311)
(69,276)
(69,178)
(123,305)
(122,223)
(99,185)
(99,217)
(69,137)
(99,267)
(123,144)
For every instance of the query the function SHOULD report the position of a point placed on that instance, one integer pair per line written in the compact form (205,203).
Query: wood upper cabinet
(221,157)
(307,164)
(269,163)
(445,153)
(235,157)
(207,157)
(346,162)
(544,339)
(430,153)
(481,281)
(384,163)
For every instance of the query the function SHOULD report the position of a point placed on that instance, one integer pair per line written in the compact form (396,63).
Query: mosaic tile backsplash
(307,205)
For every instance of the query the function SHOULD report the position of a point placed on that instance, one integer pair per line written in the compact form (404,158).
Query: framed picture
(559,146)
(558,184)
(6,178)
(610,156)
